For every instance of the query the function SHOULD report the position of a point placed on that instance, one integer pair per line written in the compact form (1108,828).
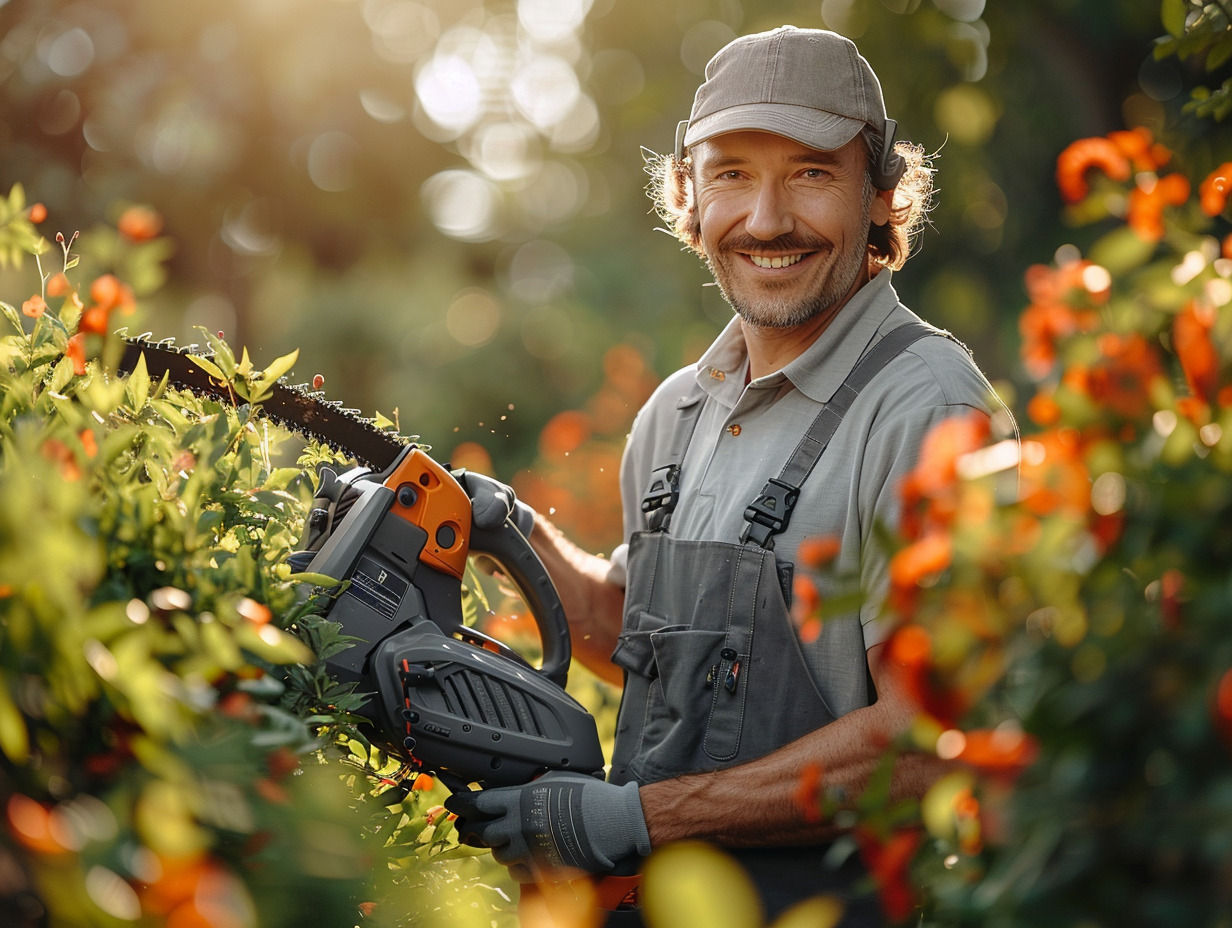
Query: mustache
(792,242)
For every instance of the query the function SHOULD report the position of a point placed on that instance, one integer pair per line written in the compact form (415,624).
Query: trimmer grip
(509,548)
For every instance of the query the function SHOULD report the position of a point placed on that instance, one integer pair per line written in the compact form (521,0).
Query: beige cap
(809,85)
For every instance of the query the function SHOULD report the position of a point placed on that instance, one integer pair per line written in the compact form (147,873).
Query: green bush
(172,751)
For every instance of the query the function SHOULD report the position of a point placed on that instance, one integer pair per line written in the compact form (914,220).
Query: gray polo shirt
(745,434)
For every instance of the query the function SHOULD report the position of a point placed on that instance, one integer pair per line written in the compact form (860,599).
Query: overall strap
(664,490)
(770,512)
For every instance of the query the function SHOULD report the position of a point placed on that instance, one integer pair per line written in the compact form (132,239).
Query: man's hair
(889,245)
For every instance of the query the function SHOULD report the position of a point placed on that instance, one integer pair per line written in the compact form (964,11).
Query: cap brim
(814,128)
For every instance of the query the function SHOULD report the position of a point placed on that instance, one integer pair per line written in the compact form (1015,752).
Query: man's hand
(492,502)
(558,822)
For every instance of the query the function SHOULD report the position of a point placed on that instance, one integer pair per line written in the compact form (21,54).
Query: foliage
(173,752)
(1070,644)
(1201,30)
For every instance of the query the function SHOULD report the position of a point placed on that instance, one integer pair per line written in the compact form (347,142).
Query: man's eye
(816,173)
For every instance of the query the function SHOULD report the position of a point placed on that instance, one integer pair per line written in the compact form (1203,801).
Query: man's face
(784,227)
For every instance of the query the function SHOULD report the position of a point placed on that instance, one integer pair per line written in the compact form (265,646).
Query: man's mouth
(776,260)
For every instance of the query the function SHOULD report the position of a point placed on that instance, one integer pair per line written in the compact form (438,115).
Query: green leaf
(1173,12)
(280,366)
(14,738)
(209,367)
(138,387)
(13,316)
(314,579)
(1219,54)
(61,377)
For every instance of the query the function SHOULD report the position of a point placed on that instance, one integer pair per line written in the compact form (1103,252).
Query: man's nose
(770,214)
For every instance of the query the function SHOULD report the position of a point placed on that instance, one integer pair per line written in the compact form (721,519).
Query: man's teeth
(784,261)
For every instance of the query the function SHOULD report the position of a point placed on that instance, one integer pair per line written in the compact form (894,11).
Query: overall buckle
(663,494)
(770,512)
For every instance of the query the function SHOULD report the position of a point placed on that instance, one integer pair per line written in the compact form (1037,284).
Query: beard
(789,303)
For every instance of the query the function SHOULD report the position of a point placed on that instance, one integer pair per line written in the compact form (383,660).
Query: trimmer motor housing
(460,703)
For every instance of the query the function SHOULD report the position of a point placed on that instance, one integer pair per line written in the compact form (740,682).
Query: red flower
(888,862)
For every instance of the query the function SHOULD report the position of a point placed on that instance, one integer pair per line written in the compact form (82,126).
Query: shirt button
(734,429)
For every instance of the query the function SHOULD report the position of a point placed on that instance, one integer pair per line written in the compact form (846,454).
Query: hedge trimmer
(397,531)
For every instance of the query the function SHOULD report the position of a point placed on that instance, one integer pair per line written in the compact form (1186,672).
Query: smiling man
(798,423)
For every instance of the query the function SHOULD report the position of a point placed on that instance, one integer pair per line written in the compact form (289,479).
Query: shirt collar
(823,366)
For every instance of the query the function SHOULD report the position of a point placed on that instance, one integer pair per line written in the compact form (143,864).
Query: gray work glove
(557,822)
(492,502)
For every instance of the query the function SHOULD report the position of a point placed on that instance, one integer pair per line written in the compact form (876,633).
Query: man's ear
(883,203)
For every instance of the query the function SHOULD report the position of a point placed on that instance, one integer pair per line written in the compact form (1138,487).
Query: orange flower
(808,792)
(140,223)
(423,781)
(1191,339)
(1043,409)
(1148,200)
(1213,191)
(75,351)
(94,321)
(1139,146)
(58,285)
(255,612)
(108,292)
(1000,751)
(936,471)
(89,443)
(1122,379)
(61,455)
(565,433)
(1053,476)
(34,307)
(817,552)
(967,822)
(1223,706)
(38,213)
(1083,155)
(33,825)
(921,560)
(909,657)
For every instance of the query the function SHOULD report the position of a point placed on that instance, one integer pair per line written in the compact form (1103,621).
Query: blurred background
(441,202)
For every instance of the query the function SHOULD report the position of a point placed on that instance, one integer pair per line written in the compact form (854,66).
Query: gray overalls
(714,673)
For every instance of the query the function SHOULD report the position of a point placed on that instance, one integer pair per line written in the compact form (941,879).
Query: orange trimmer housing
(425,494)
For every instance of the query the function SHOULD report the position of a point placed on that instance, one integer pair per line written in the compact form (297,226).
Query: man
(787,182)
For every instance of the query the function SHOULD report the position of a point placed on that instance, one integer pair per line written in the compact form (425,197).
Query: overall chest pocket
(690,720)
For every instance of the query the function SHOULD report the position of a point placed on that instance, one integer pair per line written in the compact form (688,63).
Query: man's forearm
(593,604)
(776,799)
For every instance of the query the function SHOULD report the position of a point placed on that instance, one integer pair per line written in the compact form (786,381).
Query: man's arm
(594,604)
(758,803)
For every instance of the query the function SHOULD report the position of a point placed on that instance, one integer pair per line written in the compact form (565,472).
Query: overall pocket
(678,704)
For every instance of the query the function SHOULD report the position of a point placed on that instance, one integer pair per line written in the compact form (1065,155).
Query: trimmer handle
(518,560)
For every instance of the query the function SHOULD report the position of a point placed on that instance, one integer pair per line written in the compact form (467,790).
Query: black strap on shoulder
(664,490)
(770,512)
